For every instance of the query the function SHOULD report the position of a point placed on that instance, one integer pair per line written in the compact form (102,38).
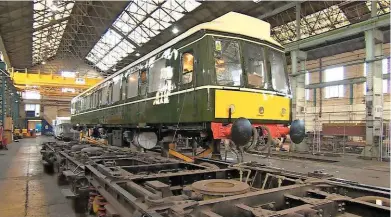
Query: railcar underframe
(130,183)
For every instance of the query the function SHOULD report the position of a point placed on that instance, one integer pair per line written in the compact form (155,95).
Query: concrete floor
(25,190)
(351,168)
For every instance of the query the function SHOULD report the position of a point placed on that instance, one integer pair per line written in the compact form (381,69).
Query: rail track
(109,181)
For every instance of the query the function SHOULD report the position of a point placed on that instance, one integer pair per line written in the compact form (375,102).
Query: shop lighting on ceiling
(175,30)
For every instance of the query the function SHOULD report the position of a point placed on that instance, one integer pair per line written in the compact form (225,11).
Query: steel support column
(298,84)
(298,16)
(298,81)
(298,92)
(3,98)
(374,93)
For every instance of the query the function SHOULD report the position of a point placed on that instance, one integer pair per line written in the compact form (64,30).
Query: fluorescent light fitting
(175,30)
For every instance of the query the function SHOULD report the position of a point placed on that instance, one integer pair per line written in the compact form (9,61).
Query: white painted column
(298,84)
(374,91)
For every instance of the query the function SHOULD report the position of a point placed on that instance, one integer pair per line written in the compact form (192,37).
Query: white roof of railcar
(231,22)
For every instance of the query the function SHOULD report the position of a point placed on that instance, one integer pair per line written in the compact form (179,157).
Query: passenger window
(124,87)
(187,67)
(89,101)
(143,82)
(99,101)
(109,94)
(156,79)
(132,85)
(116,89)
(104,95)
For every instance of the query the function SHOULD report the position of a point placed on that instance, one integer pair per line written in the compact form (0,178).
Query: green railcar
(196,85)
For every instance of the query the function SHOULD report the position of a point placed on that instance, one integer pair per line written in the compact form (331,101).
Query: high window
(385,70)
(334,74)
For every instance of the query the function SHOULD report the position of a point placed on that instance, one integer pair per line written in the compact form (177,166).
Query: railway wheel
(216,152)
(61,179)
(79,204)
(48,168)
(209,165)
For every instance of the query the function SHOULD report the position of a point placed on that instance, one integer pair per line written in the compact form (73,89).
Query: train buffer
(68,193)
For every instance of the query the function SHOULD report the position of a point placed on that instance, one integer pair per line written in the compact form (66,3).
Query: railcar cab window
(227,62)
(254,65)
(187,67)
(279,78)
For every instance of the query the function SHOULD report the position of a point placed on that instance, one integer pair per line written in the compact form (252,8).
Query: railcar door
(186,109)
(142,92)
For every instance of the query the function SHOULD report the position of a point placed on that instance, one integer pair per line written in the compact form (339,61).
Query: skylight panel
(139,22)
(110,39)
(92,58)
(162,18)
(190,5)
(125,46)
(153,25)
(138,36)
(383,6)
(313,24)
(47,29)
(124,23)
(102,66)
(97,54)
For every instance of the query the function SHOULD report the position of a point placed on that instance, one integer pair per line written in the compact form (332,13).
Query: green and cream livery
(197,85)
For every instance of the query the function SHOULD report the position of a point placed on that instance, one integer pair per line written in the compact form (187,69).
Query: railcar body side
(199,83)
(195,102)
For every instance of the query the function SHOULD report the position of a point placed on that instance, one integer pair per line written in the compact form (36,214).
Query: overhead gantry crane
(50,84)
